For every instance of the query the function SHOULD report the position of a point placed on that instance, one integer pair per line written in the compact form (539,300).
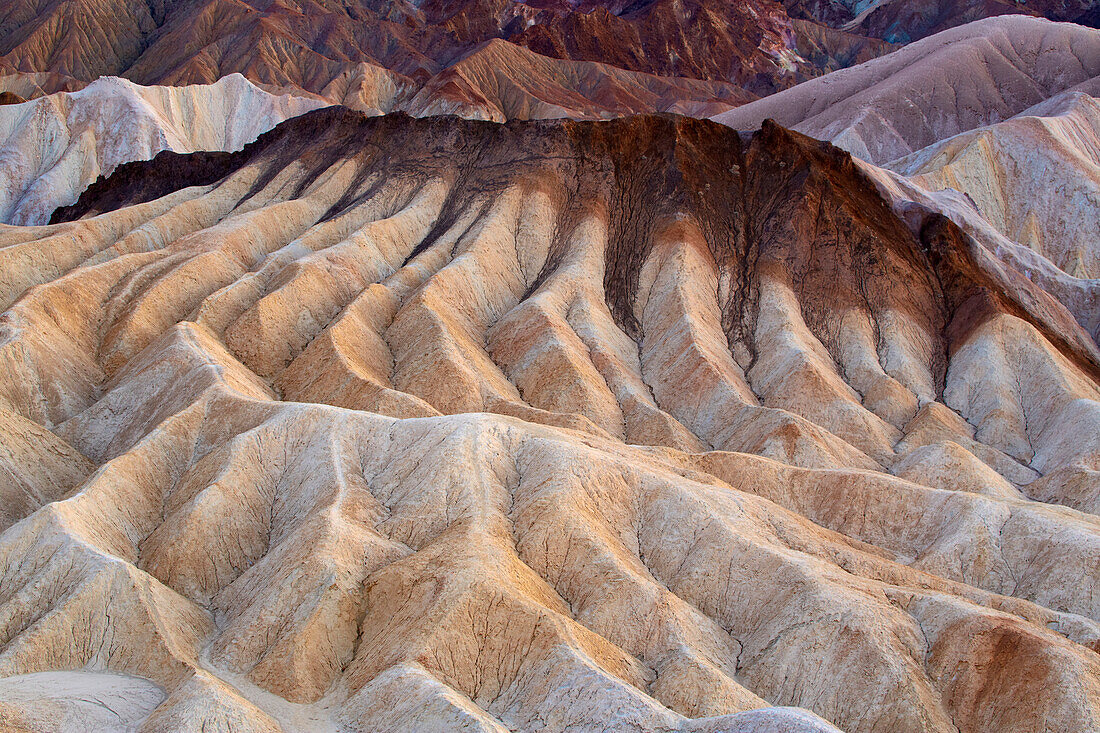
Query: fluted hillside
(427,424)
(952,82)
(53,147)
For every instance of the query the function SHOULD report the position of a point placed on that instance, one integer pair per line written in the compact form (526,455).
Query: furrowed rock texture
(387,423)
(502,81)
(1035,177)
(311,44)
(967,77)
(902,22)
(586,60)
(52,148)
(492,80)
(1027,188)
(29,85)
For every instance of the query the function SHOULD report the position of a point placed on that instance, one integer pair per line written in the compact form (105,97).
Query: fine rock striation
(1035,178)
(502,81)
(310,44)
(902,22)
(1027,188)
(967,77)
(489,59)
(53,147)
(387,423)
(377,54)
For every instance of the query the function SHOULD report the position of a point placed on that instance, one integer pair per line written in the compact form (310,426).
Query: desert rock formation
(1035,177)
(377,54)
(387,423)
(502,81)
(52,148)
(491,59)
(903,22)
(309,45)
(955,81)
(488,59)
(1028,189)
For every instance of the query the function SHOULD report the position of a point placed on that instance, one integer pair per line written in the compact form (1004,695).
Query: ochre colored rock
(386,423)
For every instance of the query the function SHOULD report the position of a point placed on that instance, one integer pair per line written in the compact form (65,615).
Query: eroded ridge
(385,423)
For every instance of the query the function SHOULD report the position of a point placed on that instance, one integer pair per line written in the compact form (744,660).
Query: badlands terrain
(1011,154)
(379,54)
(316,418)
(53,148)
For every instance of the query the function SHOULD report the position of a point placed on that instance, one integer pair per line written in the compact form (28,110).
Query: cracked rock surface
(386,423)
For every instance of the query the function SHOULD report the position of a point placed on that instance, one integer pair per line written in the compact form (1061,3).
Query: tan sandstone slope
(430,424)
(1035,177)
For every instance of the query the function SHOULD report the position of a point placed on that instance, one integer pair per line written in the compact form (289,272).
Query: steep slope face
(309,45)
(30,85)
(1035,178)
(502,82)
(495,81)
(52,148)
(68,36)
(978,74)
(903,22)
(421,424)
(750,44)
(375,55)
(829,49)
(1026,188)
(478,58)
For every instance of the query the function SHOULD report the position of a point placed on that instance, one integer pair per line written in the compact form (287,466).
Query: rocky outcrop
(52,148)
(415,424)
(1035,178)
(596,58)
(1023,186)
(491,59)
(1026,188)
(750,44)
